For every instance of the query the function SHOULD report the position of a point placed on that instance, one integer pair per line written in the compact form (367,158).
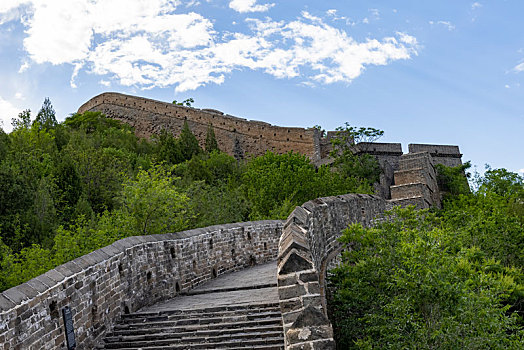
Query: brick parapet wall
(125,276)
(252,138)
(307,245)
(447,155)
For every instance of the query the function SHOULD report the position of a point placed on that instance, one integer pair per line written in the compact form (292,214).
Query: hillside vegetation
(432,279)
(448,279)
(69,188)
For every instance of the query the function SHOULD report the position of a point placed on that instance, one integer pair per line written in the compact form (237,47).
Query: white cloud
(519,67)
(146,44)
(192,3)
(521,171)
(23,67)
(7,112)
(476,5)
(375,13)
(407,39)
(449,26)
(244,6)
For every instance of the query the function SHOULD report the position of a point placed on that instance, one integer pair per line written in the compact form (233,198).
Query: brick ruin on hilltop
(406,179)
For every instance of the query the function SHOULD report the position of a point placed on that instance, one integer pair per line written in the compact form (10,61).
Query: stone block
(310,276)
(300,335)
(294,262)
(5,304)
(15,295)
(290,305)
(55,276)
(326,344)
(26,289)
(310,317)
(313,287)
(287,280)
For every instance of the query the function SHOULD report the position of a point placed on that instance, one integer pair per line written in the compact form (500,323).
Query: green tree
(402,286)
(46,117)
(152,204)
(44,209)
(91,122)
(167,148)
(272,180)
(23,121)
(211,141)
(502,182)
(348,151)
(212,168)
(188,143)
(453,181)
(4,144)
(187,102)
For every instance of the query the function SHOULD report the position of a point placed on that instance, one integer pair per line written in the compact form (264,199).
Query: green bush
(403,286)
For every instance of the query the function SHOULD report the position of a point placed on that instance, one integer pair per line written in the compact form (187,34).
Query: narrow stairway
(239,310)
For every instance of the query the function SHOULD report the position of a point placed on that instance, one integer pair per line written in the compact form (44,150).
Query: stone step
(229,289)
(254,333)
(231,326)
(171,325)
(174,314)
(165,320)
(239,341)
(149,328)
(416,175)
(411,190)
(273,346)
(237,311)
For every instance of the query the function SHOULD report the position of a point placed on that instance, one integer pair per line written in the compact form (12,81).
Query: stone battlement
(236,136)
(121,278)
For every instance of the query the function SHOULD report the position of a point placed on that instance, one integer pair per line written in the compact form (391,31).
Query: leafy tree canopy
(46,117)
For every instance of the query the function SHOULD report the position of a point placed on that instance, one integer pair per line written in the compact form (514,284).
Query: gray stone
(310,317)
(6,304)
(294,263)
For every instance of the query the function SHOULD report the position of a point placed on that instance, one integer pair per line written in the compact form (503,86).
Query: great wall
(134,294)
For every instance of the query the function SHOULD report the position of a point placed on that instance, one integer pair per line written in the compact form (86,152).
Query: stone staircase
(236,311)
(415,182)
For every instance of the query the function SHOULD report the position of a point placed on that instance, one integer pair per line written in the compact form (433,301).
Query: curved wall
(307,245)
(236,136)
(125,276)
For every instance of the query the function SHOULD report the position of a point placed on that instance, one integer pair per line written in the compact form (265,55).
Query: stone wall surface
(447,155)
(125,276)
(306,248)
(235,136)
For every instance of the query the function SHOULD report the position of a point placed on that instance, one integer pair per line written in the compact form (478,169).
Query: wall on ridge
(235,136)
(447,155)
(125,276)
(307,245)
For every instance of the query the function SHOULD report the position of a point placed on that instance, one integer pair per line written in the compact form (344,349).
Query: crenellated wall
(308,244)
(235,136)
(244,138)
(125,276)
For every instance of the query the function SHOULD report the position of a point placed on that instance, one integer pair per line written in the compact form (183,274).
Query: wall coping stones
(308,242)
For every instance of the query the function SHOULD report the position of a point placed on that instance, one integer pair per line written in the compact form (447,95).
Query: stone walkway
(236,311)
(256,285)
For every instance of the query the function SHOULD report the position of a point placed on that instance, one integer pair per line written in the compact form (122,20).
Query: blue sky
(447,71)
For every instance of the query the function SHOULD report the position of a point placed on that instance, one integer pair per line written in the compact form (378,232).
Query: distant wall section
(235,136)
